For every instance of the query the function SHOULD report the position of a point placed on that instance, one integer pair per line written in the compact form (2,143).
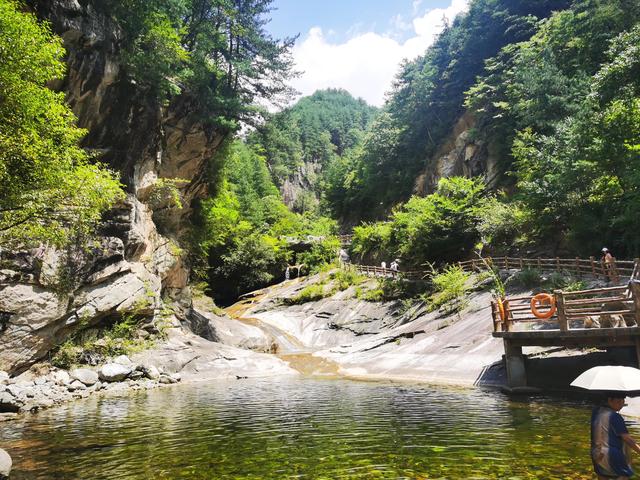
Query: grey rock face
(144,141)
(114,372)
(85,376)
(5,464)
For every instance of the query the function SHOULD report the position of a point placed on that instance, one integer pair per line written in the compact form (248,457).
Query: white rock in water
(61,377)
(5,464)
(122,360)
(84,375)
(151,372)
(76,385)
(114,372)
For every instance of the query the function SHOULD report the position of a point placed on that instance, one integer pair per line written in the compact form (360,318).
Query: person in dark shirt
(609,436)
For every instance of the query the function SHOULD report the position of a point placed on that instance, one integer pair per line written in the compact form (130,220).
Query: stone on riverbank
(114,372)
(5,464)
(84,375)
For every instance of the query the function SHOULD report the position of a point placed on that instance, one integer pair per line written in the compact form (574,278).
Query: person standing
(609,436)
(609,264)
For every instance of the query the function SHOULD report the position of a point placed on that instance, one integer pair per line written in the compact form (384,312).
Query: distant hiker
(344,256)
(609,264)
(383,264)
(287,274)
(609,435)
(394,265)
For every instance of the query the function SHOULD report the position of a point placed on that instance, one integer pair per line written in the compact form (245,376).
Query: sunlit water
(308,429)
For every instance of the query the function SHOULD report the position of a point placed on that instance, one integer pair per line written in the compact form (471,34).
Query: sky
(358,45)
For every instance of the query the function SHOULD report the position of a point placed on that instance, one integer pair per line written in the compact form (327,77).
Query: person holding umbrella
(609,435)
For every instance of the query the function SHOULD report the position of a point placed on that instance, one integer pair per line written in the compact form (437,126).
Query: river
(292,428)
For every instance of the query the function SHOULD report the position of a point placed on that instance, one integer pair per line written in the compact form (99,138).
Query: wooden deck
(600,317)
(579,337)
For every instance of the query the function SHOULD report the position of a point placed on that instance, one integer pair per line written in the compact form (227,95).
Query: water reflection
(310,429)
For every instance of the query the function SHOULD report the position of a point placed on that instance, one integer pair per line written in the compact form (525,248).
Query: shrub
(309,294)
(346,278)
(528,278)
(450,287)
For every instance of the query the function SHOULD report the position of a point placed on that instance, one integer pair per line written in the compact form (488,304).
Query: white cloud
(365,64)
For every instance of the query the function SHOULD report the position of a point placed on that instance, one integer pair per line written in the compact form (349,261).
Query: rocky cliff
(137,261)
(459,154)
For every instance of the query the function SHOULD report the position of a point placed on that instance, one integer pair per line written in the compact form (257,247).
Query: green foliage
(321,253)
(311,293)
(528,278)
(451,287)
(118,339)
(50,191)
(318,129)
(343,279)
(440,227)
(217,51)
(426,100)
(371,241)
(244,235)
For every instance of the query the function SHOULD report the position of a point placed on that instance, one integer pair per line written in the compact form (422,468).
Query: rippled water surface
(308,429)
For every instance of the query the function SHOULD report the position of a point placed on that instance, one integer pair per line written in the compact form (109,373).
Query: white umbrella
(609,377)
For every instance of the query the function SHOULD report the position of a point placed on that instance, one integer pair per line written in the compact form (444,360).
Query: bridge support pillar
(514,361)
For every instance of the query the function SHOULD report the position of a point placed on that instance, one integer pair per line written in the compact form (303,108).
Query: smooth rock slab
(114,372)
(84,375)
(5,464)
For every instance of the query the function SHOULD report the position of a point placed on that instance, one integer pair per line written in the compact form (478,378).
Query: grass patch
(312,293)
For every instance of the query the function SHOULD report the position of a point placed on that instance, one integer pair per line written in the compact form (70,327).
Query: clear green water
(308,429)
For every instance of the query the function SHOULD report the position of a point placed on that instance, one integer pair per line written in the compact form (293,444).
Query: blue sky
(344,17)
(358,44)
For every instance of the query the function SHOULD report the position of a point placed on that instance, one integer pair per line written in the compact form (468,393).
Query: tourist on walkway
(609,435)
(609,264)
(383,264)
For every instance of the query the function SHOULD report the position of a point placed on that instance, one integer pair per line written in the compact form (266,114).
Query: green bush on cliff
(50,190)
(451,287)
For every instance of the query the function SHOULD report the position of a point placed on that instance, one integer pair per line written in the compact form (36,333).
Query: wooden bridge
(598,317)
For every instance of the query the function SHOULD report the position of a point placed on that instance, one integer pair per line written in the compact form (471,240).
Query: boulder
(114,372)
(5,464)
(84,375)
(150,371)
(61,377)
(122,360)
(76,385)
(4,377)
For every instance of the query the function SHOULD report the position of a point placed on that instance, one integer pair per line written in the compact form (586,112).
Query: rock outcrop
(459,154)
(46,295)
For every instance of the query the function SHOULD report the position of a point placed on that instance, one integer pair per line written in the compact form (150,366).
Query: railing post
(521,264)
(558,264)
(508,321)
(506,263)
(497,321)
(593,267)
(578,266)
(539,265)
(562,317)
(635,294)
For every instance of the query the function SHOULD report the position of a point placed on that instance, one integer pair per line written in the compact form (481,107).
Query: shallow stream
(286,428)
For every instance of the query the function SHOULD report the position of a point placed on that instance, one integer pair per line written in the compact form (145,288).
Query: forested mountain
(305,141)
(538,98)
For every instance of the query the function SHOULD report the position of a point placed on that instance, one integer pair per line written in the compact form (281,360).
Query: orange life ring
(503,309)
(540,300)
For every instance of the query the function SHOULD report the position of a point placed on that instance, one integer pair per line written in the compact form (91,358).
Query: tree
(49,188)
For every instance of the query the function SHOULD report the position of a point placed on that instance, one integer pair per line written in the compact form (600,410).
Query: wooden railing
(372,271)
(579,267)
(617,306)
